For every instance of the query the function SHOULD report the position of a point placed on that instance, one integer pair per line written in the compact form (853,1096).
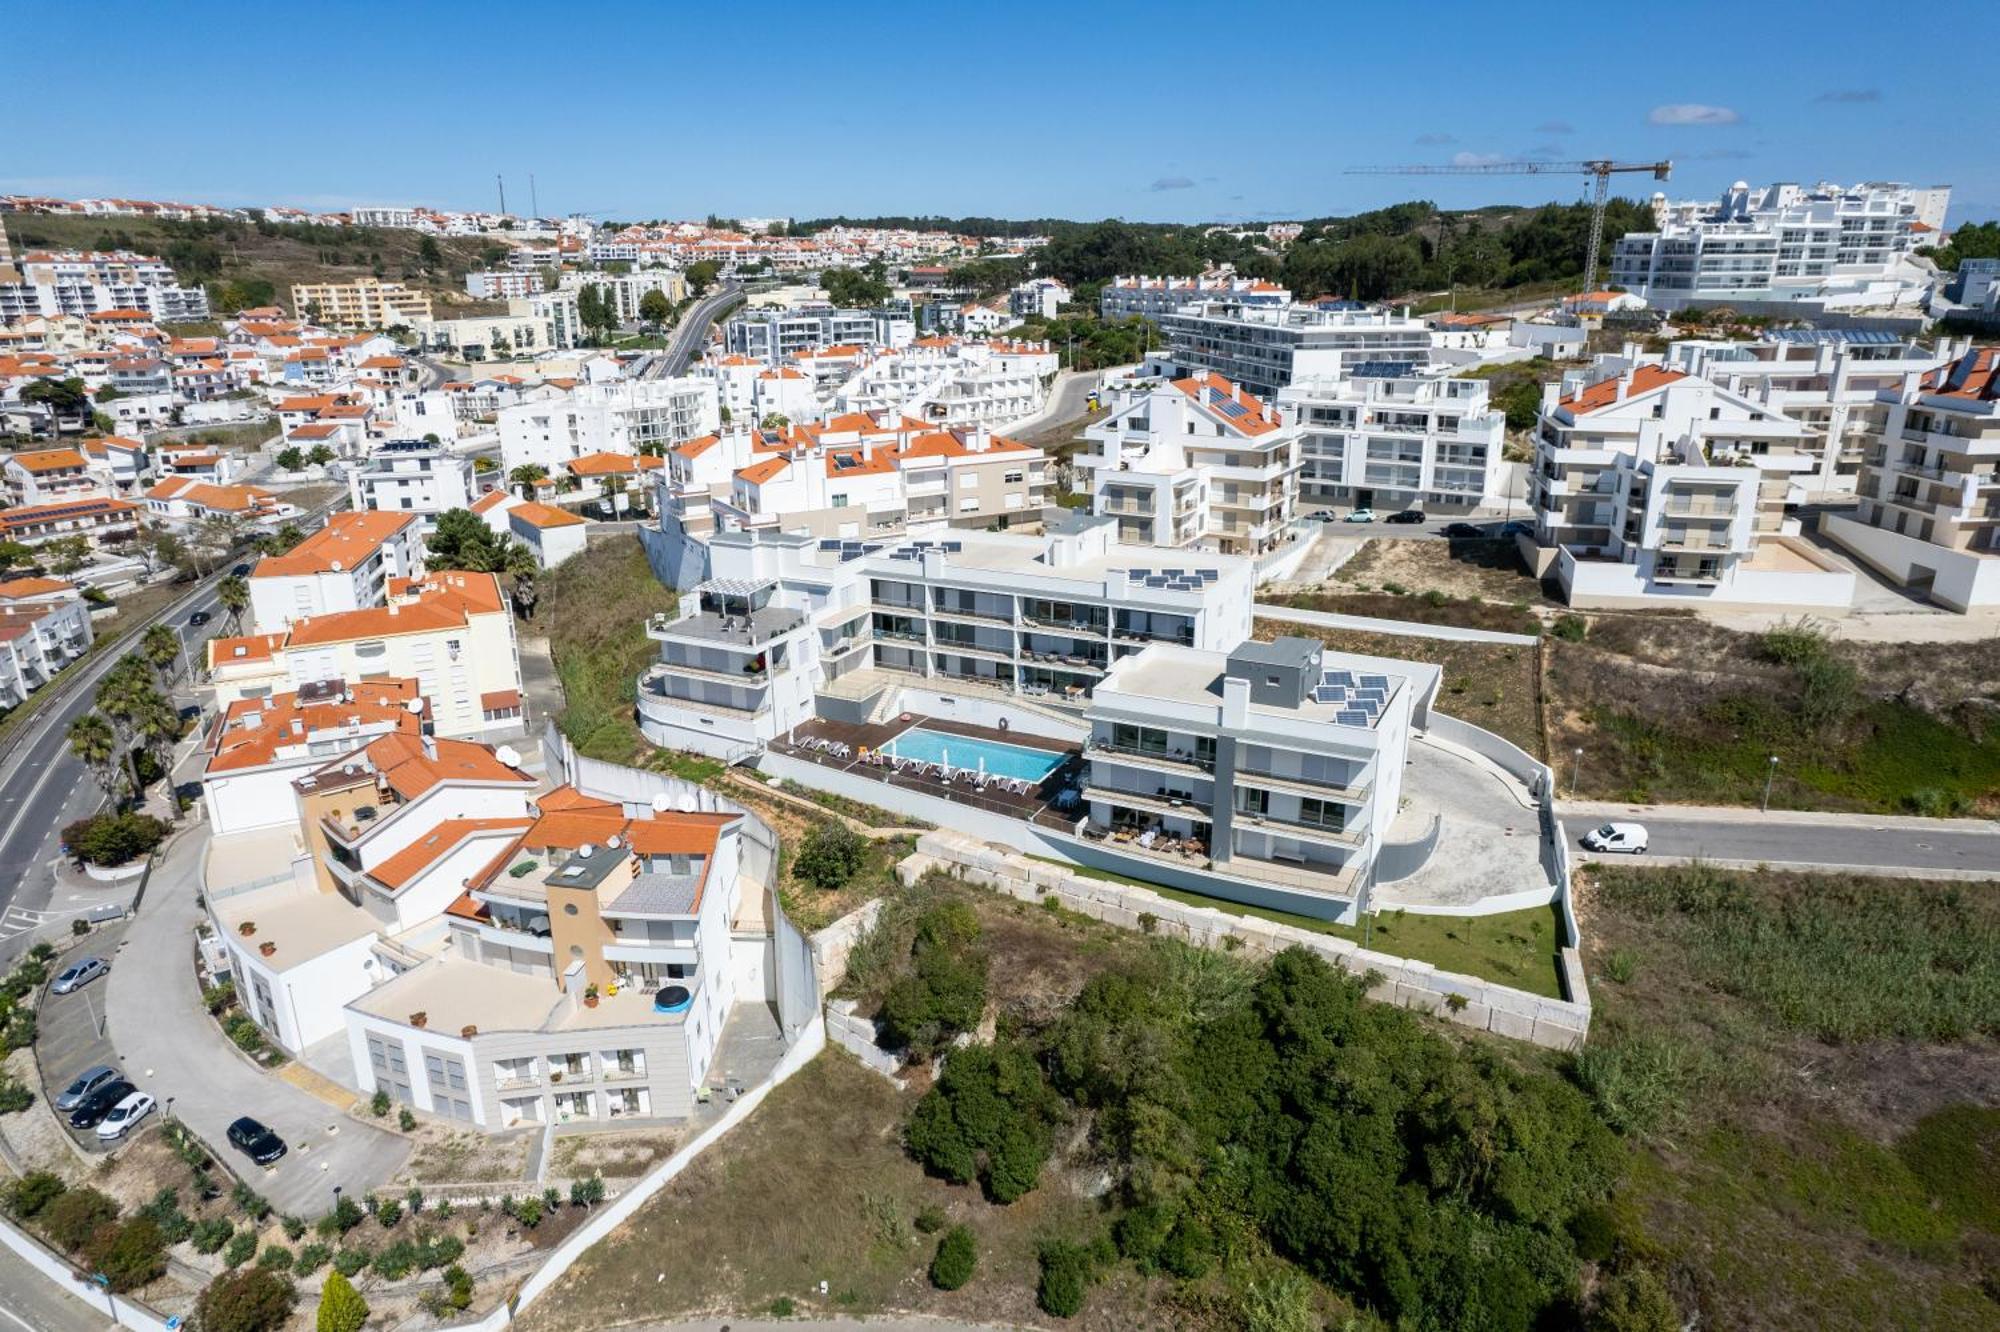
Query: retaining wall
(1555,1023)
(1368,624)
(857,1035)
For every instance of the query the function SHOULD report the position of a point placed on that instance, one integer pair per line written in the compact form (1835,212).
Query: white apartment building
(1194,464)
(1151,297)
(626,290)
(451,632)
(1278,762)
(1818,247)
(1398,443)
(632,416)
(1038,298)
(775,335)
(44,626)
(1829,380)
(1655,487)
(410,476)
(786,622)
(1266,347)
(100,519)
(346,565)
(532,325)
(46,476)
(952,384)
(502,284)
(1929,514)
(83,283)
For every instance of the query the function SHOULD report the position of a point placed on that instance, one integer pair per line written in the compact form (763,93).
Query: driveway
(168,1045)
(1490,844)
(1787,839)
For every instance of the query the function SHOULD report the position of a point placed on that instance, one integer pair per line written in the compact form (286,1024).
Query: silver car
(79,974)
(86,1082)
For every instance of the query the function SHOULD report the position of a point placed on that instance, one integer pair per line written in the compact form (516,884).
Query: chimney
(1625,384)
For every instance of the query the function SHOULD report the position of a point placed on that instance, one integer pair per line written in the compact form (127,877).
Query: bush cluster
(990,1116)
(114,839)
(943,993)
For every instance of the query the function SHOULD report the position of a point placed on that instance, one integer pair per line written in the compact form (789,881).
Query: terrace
(866,750)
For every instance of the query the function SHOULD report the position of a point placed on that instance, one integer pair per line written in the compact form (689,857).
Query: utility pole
(534,203)
(501,181)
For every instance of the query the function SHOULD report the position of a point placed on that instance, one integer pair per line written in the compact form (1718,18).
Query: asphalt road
(1835,841)
(691,333)
(31,1302)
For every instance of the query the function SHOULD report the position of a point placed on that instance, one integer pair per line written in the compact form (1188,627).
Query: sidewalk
(169,1046)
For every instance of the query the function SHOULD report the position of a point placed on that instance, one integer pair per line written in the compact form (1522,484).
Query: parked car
(124,1116)
(98,1104)
(79,974)
(1320,516)
(241,571)
(1406,516)
(1627,838)
(84,1084)
(198,619)
(1515,528)
(1458,531)
(1359,516)
(255,1141)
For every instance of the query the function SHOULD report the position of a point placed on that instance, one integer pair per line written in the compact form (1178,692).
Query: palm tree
(161,647)
(527,476)
(93,741)
(126,698)
(233,594)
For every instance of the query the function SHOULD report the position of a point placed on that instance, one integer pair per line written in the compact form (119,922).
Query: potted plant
(267,948)
(555,1075)
(247,928)
(590,996)
(468,1031)
(420,1020)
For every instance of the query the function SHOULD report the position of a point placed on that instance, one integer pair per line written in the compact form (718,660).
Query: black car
(255,1141)
(1406,516)
(1457,531)
(94,1107)
(241,571)
(198,619)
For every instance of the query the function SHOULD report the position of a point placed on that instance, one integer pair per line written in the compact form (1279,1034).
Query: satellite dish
(612,842)
(335,564)
(662,803)
(415,705)
(583,852)
(508,755)
(687,804)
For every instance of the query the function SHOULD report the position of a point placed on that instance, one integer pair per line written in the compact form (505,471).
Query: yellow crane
(1601,169)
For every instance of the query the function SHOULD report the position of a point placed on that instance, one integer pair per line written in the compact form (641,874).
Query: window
(1014,478)
(967,480)
(839,501)
(969,505)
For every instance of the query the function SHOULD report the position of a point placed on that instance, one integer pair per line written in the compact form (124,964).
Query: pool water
(963,751)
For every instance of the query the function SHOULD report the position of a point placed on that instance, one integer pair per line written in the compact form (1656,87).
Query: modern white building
(625,291)
(1193,464)
(83,283)
(1038,298)
(500,284)
(774,335)
(1151,297)
(783,623)
(1398,443)
(1653,487)
(346,565)
(1929,487)
(410,476)
(629,416)
(1820,247)
(953,384)
(1266,347)
(44,626)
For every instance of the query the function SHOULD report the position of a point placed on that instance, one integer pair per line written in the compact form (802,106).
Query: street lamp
(1770,775)
(1576,770)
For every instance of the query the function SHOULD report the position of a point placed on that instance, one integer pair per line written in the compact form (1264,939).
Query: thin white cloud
(1171,183)
(1693,113)
(1434,140)
(1850,95)
(1477,159)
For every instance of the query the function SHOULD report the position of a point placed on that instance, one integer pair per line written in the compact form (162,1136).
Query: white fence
(1369,624)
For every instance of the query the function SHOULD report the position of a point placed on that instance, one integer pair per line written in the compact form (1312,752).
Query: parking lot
(70,1029)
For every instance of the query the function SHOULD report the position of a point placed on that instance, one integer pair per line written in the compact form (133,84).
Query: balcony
(984,651)
(652,694)
(1171,805)
(1302,786)
(1176,761)
(754,676)
(962,612)
(1307,830)
(742,632)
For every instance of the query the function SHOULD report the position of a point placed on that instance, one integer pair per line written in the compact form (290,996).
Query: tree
(73,1218)
(987,1117)
(1065,1276)
(114,839)
(63,397)
(66,554)
(291,459)
(161,647)
(829,855)
(429,254)
(1633,1300)
(701,275)
(13,553)
(527,476)
(128,1255)
(233,595)
(774,421)
(957,1255)
(655,308)
(95,745)
(251,1299)
(341,1308)
(321,455)
(852,288)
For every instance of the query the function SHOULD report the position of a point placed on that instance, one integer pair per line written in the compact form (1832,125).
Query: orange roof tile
(1605,391)
(543,515)
(49,460)
(346,541)
(758,473)
(398,870)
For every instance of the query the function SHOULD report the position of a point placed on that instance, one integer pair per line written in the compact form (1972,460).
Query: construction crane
(1602,169)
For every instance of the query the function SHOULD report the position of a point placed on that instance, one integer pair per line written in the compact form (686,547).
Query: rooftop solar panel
(1351,717)
(1232,409)
(1374,682)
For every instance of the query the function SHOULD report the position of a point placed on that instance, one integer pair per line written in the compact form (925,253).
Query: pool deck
(992,797)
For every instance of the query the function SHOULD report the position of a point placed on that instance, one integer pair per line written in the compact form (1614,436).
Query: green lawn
(1518,948)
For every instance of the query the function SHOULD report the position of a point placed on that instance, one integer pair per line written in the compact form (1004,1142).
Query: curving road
(691,334)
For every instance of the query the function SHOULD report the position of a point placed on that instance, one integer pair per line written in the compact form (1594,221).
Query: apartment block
(1266,347)
(47,476)
(44,626)
(1654,487)
(1038,298)
(953,384)
(1278,762)
(1929,486)
(346,565)
(1397,443)
(1193,464)
(625,291)
(774,335)
(258,746)
(410,476)
(630,416)
(101,520)
(503,284)
(363,303)
(84,283)
(785,625)
(451,632)
(1813,247)
(1151,297)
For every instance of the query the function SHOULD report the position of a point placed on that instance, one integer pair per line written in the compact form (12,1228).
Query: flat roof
(453,993)
(304,923)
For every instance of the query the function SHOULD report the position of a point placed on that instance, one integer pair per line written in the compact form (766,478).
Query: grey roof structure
(659,895)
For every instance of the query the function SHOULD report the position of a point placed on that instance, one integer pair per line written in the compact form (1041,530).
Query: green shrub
(1621,966)
(378,1104)
(586,1192)
(943,994)
(311,1258)
(295,1227)
(414,1201)
(209,1236)
(388,1212)
(829,855)
(406,1120)
(252,1202)
(396,1261)
(255,1299)
(129,1255)
(165,1210)
(1189,1250)
(345,1216)
(1570,628)
(242,1247)
(73,1217)
(114,839)
(28,1195)
(957,1254)
(275,1255)
(457,1288)
(1280,1301)
(438,1252)
(1639,1083)
(1632,1300)
(930,1219)
(528,1212)
(988,1117)
(341,1308)
(348,1262)
(1065,1274)
(551,1200)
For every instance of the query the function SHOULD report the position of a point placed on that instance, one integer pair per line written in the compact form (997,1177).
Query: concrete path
(169,1046)
(1490,845)
(31,1302)
(1941,848)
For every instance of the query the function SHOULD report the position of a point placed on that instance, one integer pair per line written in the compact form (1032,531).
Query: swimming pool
(964,751)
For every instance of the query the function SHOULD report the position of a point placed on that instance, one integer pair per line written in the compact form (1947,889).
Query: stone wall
(857,1035)
(1502,1010)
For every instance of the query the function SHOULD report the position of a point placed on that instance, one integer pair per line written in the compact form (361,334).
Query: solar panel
(1340,677)
(1232,409)
(1210,575)
(953,547)
(1374,682)
(1154,580)
(1134,575)
(829,544)
(1351,717)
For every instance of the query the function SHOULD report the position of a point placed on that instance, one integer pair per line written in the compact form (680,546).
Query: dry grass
(594,611)
(443,1155)
(613,1155)
(1479,570)
(1488,684)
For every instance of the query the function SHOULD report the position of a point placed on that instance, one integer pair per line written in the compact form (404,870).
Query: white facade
(344,566)
(952,384)
(81,283)
(1266,347)
(1151,297)
(638,416)
(409,476)
(503,284)
(1433,444)
(1038,298)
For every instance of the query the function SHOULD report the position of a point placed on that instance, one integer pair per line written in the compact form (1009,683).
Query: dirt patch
(441,1155)
(1477,569)
(1492,685)
(613,1155)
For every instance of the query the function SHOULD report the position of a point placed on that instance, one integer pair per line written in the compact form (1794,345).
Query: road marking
(17,1318)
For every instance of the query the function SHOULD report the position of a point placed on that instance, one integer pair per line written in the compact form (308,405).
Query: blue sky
(1160,111)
